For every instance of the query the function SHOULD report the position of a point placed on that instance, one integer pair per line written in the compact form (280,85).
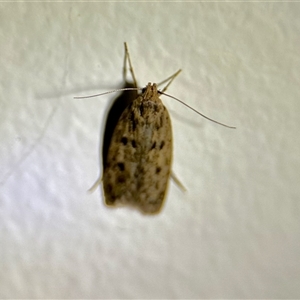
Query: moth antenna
(170,79)
(232,127)
(139,89)
(109,92)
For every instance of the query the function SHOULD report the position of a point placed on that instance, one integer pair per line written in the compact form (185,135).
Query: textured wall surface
(234,233)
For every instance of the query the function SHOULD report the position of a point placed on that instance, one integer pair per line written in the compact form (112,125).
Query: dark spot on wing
(141,109)
(121,179)
(109,188)
(121,166)
(134,121)
(153,145)
(124,140)
(112,198)
(162,145)
(133,143)
(158,169)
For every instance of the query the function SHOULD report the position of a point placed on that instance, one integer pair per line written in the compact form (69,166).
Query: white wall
(234,233)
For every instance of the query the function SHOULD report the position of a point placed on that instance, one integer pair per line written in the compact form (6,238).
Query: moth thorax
(150,91)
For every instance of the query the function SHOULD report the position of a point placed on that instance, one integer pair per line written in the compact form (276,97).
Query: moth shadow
(114,113)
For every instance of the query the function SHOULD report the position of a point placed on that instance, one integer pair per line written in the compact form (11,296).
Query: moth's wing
(139,160)
(117,108)
(155,178)
(118,182)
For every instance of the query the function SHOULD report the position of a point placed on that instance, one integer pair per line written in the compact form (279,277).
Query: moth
(137,151)
(139,158)
(137,164)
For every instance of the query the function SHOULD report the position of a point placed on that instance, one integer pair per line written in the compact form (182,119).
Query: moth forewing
(140,155)
(114,114)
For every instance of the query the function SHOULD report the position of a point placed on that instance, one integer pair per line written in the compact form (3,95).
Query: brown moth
(137,147)
(139,158)
(137,164)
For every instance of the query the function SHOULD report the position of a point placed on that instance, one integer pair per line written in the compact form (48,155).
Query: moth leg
(127,57)
(177,182)
(95,185)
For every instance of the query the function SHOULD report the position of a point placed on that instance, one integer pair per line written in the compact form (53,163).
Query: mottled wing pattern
(140,155)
